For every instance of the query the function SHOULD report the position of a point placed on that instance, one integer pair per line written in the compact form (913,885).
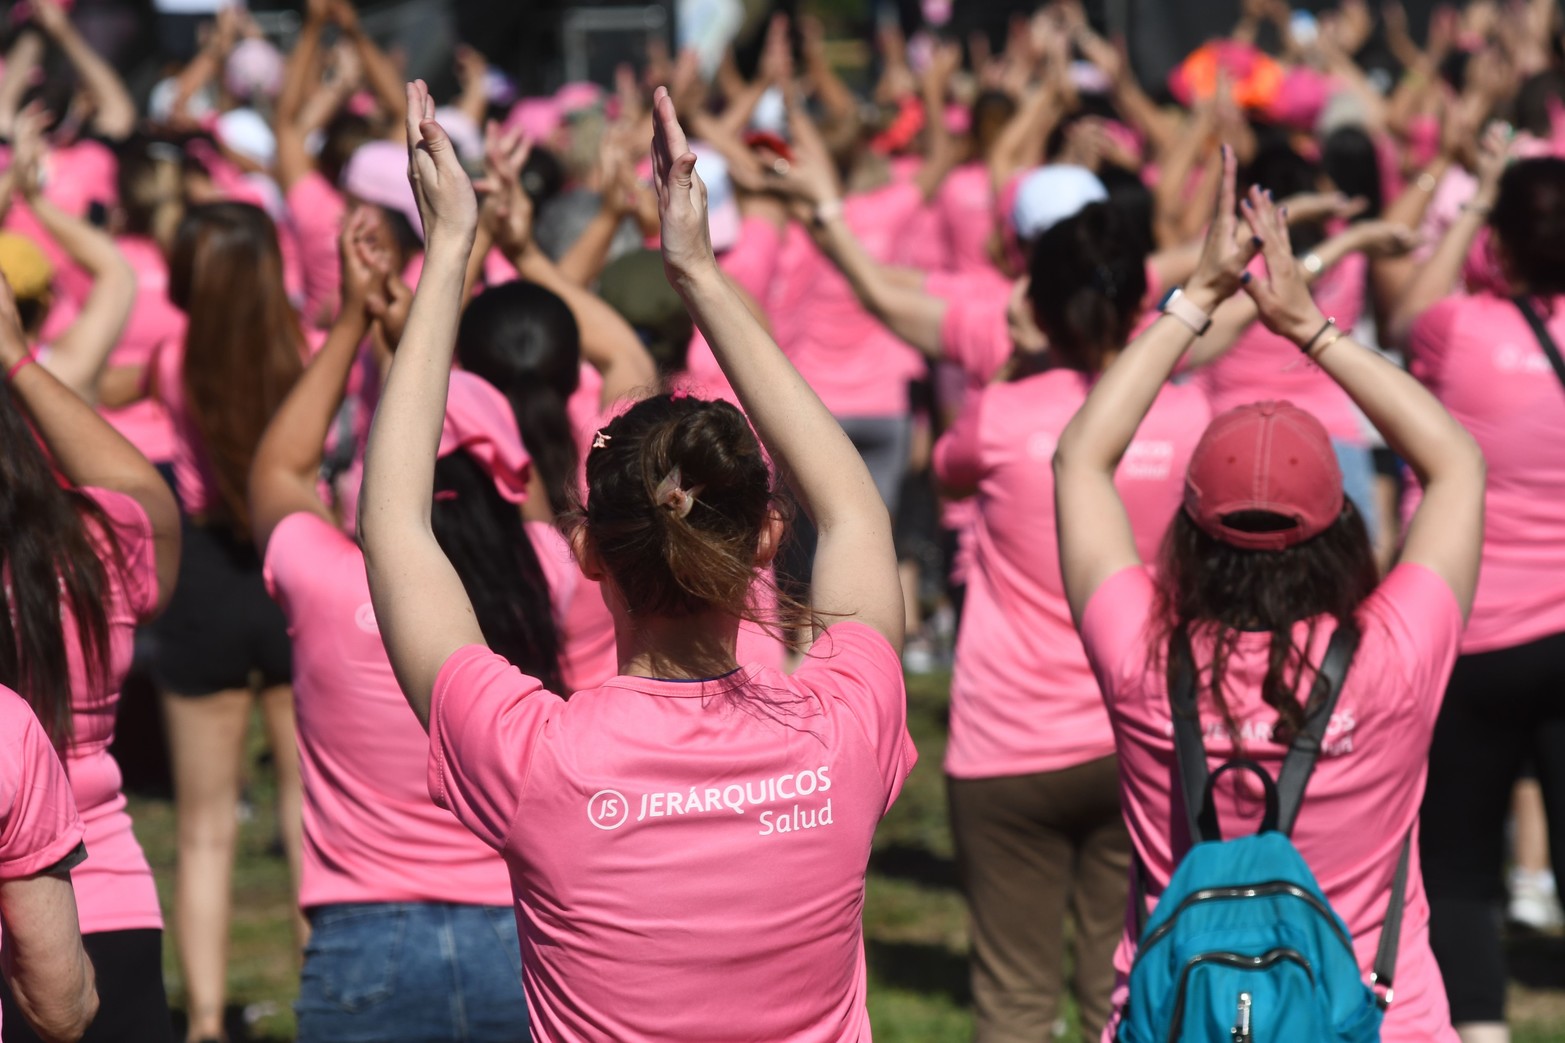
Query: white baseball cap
(1048,195)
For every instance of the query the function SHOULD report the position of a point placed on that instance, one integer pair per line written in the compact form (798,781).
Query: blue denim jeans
(413,972)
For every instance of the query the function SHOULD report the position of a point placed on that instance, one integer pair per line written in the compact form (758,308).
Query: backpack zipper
(1239,962)
(1269,889)
(1241,1029)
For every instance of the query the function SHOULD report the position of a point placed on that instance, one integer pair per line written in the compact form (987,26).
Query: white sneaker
(1534,901)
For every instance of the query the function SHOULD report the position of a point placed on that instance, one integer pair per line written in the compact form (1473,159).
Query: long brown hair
(1208,588)
(50,561)
(244,347)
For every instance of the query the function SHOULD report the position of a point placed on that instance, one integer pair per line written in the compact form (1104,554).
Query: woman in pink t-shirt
(1031,766)
(687,842)
(1265,560)
(86,560)
(1482,359)
(402,900)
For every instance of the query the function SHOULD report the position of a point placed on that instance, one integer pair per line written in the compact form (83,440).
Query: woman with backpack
(1265,561)
(688,841)
(1493,359)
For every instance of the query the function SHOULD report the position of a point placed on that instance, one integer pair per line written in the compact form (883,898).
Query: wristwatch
(1187,312)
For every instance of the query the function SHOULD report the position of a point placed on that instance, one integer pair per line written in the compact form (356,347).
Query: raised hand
(446,202)
(363,279)
(1494,155)
(27,148)
(508,211)
(1227,250)
(687,241)
(1282,296)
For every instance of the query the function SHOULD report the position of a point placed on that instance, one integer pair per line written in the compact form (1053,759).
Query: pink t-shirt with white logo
(1363,798)
(370,831)
(1263,366)
(687,857)
(153,321)
(856,366)
(1023,698)
(114,887)
(1480,358)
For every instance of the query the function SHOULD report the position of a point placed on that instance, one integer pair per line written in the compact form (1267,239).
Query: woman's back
(702,849)
(1364,795)
(1480,358)
(1023,697)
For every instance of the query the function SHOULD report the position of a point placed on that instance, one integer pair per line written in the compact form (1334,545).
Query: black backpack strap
(1391,930)
(1299,763)
(1188,747)
(1545,340)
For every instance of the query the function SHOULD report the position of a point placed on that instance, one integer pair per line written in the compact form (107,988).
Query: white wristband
(1187,312)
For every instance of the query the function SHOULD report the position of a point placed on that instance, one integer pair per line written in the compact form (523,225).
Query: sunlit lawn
(914,921)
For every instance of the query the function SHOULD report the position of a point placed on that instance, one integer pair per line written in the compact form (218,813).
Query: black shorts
(221,628)
(132,1007)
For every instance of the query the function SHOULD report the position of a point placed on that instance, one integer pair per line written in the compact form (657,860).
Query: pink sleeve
(40,826)
(484,720)
(1114,627)
(753,260)
(295,552)
(133,540)
(957,454)
(1423,619)
(1428,340)
(854,666)
(973,334)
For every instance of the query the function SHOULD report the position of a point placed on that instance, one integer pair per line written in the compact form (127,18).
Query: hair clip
(601,440)
(671,494)
(682,391)
(445,495)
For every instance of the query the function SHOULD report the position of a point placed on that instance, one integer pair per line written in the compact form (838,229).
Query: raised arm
(1094,530)
(1446,534)
(855,571)
(85,448)
(21,63)
(941,151)
(384,80)
(78,355)
(423,609)
(115,115)
(300,79)
(285,477)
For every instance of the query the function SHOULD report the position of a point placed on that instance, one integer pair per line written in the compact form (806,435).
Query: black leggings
(132,1007)
(1502,710)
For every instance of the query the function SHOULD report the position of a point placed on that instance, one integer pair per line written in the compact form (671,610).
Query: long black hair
(1529,221)
(523,339)
(483,535)
(50,562)
(1208,588)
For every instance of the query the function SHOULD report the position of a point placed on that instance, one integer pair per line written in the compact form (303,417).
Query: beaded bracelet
(19,365)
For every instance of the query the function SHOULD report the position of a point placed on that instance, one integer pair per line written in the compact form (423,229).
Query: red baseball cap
(1271,457)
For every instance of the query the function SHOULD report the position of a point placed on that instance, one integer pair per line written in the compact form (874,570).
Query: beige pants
(1030,848)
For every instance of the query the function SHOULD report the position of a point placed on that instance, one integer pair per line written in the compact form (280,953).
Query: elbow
(66,1020)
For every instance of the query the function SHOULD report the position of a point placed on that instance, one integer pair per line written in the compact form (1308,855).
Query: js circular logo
(608,809)
(364,617)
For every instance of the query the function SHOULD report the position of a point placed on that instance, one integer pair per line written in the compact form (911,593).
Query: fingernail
(1245,278)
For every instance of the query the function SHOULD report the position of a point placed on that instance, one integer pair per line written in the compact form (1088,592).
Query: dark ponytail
(524,340)
(1088,280)
(668,564)
(486,541)
(50,561)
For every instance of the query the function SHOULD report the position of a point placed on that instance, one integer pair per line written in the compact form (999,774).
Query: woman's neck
(679,648)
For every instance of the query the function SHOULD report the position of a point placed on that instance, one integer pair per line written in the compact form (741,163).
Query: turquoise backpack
(1243,946)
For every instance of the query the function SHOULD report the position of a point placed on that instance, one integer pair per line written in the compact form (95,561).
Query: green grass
(914,921)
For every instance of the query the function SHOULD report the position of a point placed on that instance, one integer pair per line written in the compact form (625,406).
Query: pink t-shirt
(315,213)
(370,831)
(974,334)
(1262,365)
(114,887)
(1481,360)
(687,860)
(965,202)
(857,366)
(1023,698)
(153,321)
(1370,777)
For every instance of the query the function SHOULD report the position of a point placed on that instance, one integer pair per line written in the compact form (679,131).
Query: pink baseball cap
(479,422)
(539,118)
(377,173)
(1271,457)
(254,69)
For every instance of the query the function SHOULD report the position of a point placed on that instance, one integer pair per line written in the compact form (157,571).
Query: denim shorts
(413,972)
